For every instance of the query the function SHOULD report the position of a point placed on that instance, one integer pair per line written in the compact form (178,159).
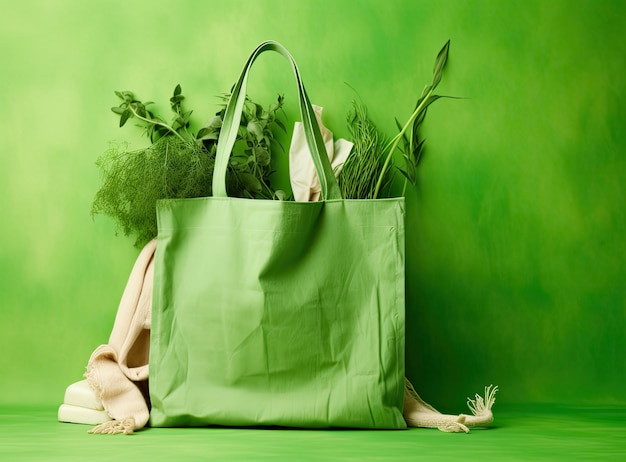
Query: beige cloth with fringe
(118,371)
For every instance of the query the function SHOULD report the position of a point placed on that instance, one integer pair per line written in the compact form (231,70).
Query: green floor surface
(533,432)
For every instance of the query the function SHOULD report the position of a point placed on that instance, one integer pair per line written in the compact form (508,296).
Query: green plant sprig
(413,145)
(250,162)
(181,122)
(179,163)
(155,127)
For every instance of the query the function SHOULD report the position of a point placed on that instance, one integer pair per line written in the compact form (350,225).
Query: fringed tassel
(481,408)
(113,427)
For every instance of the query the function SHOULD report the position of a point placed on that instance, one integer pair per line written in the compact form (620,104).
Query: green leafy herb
(250,163)
(155,127)
(179,163)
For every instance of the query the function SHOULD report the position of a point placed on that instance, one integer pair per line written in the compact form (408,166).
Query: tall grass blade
(440,63)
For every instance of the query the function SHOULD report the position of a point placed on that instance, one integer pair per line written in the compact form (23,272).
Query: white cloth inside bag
(304,182)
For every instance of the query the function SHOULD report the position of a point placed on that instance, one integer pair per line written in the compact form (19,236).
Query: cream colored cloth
(118,370)
(304,182)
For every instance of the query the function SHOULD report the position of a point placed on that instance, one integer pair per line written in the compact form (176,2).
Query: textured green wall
(516,249)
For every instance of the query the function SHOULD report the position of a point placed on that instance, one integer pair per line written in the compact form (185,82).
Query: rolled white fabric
(82,415)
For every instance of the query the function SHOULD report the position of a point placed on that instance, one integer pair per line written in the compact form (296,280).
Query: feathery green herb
(135,180)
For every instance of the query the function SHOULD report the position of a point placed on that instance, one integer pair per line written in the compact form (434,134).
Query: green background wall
(516,250)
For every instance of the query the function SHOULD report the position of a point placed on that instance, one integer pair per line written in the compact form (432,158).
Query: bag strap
(232,118)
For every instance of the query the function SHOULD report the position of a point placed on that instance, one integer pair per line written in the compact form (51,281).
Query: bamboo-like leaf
(399,125)
(407,159)
(430,100)
(410,167)
(425,91)
(405,139)
(440,63)
(409,174)
(417,155)
(415,139)
(419,119)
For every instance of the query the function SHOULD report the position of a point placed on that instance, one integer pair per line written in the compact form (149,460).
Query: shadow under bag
(274,312)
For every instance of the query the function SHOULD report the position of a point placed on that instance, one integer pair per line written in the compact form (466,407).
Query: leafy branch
(250,162)
(155,126)
(179,163)
(413,147)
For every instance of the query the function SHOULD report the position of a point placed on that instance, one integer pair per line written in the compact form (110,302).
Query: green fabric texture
(278,313)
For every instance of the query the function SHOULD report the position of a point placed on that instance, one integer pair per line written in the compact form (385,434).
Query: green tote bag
(276,313)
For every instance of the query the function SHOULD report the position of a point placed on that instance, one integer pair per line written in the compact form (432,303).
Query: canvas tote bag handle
(232,118)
